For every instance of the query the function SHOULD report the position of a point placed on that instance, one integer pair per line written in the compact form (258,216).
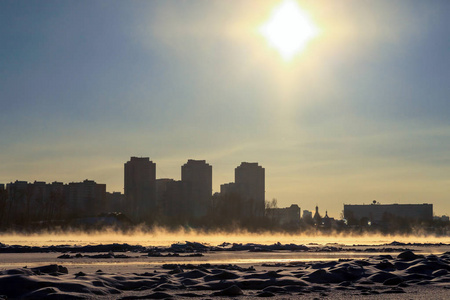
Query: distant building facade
(378,213)
(284,216)
(317,217)
(229,188)
(197,176)
(86,199)
(250,183)
(115,202)
(25,203)
(140,188)
(307,215)
(443,218)
(175,200)
(3,204)
(327,222)
(162,184)
(18,206)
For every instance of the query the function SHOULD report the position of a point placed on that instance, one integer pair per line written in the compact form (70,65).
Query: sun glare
(289,29)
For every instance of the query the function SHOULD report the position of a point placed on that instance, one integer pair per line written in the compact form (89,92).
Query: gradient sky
(363,114)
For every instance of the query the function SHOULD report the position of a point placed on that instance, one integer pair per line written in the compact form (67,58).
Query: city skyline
(249,183)
(361,114)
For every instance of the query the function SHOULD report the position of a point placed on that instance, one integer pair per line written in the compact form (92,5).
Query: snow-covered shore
(191,270)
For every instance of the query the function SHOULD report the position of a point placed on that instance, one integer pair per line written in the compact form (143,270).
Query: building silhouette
(140,188)
(86,199)
(327,222)
(250,183)
(376,213)
(229,188)
(283,216)
(115,202)
(196,176)
(307,215)
(247,193)
(175,201)
(162,184)
(317,217)
(26,203)
(18,206)
(171,195)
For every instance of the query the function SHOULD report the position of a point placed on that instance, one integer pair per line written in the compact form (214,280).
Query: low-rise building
(307,215)
(283,216)
(378,213)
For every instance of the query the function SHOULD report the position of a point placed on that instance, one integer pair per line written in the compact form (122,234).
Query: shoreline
(278,274)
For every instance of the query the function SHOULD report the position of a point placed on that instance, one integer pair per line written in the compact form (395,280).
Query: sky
(362,114)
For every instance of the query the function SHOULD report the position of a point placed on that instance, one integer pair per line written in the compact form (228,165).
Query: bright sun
(289,29)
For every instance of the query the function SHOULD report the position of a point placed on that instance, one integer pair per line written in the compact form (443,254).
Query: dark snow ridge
(192,247)
(377,275)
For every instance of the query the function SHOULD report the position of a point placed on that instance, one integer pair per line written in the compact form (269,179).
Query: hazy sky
(362,114)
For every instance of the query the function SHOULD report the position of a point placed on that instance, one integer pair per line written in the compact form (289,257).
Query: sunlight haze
(289,29)
(354,110)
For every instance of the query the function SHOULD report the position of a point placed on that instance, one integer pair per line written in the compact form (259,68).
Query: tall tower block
(197,174)
(250,180)
(140,188)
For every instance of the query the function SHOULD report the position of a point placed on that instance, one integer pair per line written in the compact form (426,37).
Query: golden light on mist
(289,29)
(164,237)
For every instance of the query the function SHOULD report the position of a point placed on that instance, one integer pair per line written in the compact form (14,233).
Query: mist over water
(164,237)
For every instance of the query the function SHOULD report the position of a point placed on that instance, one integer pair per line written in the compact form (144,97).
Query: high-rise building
(250,181)
(197,174)
(140,188)
(175,204)
(115,202)
(161,188)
